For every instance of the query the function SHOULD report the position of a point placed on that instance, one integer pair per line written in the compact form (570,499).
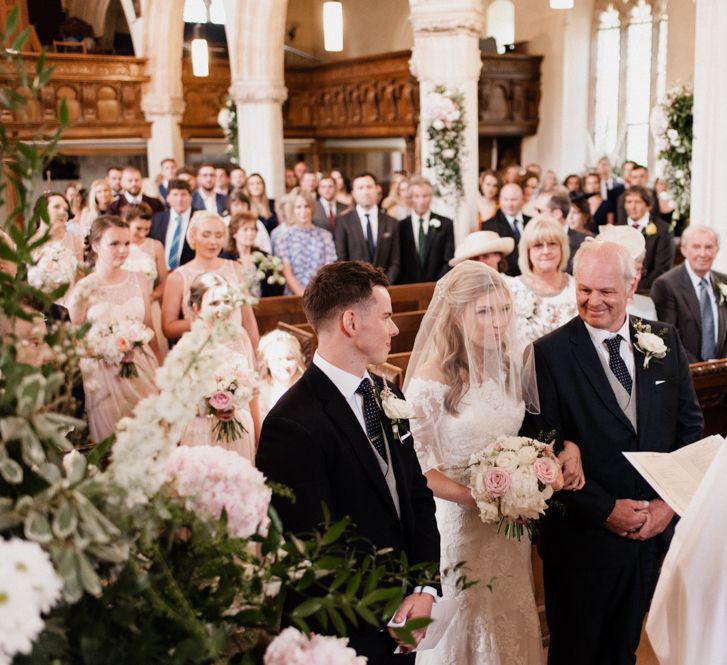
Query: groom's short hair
(339,286)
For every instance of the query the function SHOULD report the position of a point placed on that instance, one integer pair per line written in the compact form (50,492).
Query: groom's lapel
(587,358)
(340,413)
(645,384)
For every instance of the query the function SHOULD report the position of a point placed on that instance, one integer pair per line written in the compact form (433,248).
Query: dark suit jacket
(116,206)
(659,254)
(501,226)
(312,442)
(351,242)
(439,249)
(321,218)
(220,199)
(159,224)
(577,402)
(575,240)
(677,303)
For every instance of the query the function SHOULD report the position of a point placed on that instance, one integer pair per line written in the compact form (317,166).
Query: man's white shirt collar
(133,199)
(372,212)
(346,382)
(696,278)
(641,222)
(599,335)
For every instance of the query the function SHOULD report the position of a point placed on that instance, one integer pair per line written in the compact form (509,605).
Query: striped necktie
(176,242)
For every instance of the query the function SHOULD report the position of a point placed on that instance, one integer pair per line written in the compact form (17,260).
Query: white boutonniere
(649,344)
(722,292)
(434,223)
(397,410)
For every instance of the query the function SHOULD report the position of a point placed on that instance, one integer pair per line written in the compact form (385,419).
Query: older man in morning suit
(367,233)
(693,297)
(509,222)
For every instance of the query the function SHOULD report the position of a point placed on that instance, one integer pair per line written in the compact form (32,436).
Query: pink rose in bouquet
(497,481)
(233,385)
(546,469)
(222,400)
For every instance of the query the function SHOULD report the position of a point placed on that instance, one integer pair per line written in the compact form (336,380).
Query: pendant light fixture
(333,25)
(561,4)
(200,48)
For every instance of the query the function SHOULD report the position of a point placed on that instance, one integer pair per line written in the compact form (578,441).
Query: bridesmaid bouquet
(114,343)
(55,265)
(142,263)
(234,385)
(511,480)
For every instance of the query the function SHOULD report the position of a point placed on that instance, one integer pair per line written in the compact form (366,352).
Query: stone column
(709,166)
(255,39)
(163,100)
(446,52)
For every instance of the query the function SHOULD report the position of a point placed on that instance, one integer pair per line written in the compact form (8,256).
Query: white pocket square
(658,383)
(405,436)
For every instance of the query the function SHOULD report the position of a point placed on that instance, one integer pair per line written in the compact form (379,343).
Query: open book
(676,476)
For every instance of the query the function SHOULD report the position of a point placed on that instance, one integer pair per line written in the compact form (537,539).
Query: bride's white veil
(468,338)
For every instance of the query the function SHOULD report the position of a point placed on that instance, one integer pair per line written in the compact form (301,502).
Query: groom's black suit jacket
(312,442)
(577,402)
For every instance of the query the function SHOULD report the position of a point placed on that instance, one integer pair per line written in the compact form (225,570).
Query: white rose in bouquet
(508,460)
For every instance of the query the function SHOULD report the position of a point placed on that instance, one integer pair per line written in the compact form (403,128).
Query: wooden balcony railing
(102,93)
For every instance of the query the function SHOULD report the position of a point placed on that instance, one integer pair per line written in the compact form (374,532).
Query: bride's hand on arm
(448,489)
(570,461)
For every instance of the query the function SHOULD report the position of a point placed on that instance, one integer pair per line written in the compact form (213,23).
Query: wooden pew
(710,383)
(389,372)
(289,309)
(400,360)
(408,324)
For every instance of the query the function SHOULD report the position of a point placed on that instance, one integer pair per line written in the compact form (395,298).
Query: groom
(328,440)
(601,552)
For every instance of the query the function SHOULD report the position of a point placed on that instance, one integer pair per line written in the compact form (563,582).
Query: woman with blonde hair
(465,371)
(100,198)
(544,294)
(212,298)
(280,364)
(207,235)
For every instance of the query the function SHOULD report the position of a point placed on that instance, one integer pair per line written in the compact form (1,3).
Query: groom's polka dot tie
(617,364)
(372,417)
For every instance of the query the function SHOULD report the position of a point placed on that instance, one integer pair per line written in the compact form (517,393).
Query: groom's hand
(415,606)
(627,516)
(659,516)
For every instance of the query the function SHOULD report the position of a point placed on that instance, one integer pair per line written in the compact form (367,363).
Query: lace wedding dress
(497,620)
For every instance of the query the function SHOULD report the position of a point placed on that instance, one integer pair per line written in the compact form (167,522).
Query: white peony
(507,460)
(489,513)
(527,455)
(512,443)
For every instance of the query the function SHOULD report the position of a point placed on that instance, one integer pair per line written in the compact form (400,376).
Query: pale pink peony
(292,647)
(546,469)
(497,481)
(210,479)
(222,400)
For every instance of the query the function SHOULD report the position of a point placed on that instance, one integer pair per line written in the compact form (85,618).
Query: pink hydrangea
(210,479)
(292,647)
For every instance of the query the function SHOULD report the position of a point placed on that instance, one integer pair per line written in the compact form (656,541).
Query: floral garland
(227,119)
(443,113)
(672,127)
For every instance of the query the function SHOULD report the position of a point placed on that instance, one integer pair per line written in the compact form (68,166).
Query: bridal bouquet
(511,480)
(292,646)
(55,265)
(114,343)
(233,385)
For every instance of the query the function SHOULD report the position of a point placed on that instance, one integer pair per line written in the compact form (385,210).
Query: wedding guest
(637,176)
(260,204)
(206,196)
(398,205)
(529,184)
(131,184)
(146,256)
(659,243)
(170,227)
(693,296)
(511,174)
(287,220)
(113,177)
(509,222)
(344,188)
(239,202)
(544,295)
(327,207)
(486,247)
(610,186)
(242,247)
(291,180)
(579,217)
(556,205)
(426,239)
(299,168)
(222,181)
(57,209)
(549,182)
(74,194)
(309,183)
(188,175)
(366,233)
(280,365)
(573,183)
(210,294)
(238,178)
(100,197)
(168,167)
(599,207)
(487,202)
(111,294)
(304,248)
(207,236)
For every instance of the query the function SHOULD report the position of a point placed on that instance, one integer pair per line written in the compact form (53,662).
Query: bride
(465,386)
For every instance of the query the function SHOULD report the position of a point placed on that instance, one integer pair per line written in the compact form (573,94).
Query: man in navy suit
(426,239)
(131,184)
(509,221)
(600,388)
(328,440)
(557,206)
(169,172)
(170,226)
(206,198)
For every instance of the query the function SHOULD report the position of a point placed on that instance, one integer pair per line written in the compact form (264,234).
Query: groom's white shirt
(599,336)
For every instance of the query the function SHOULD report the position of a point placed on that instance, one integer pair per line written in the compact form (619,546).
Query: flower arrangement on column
(444,118)
(672,127)
(227,119)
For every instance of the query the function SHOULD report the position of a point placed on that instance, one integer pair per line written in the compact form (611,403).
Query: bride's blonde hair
(459,292)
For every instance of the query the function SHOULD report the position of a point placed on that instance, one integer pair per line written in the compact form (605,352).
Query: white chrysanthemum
(29,586)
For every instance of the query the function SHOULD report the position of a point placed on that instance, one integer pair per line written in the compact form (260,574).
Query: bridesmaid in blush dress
(111,294)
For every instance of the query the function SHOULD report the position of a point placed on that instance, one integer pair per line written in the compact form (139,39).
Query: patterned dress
(306,250)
